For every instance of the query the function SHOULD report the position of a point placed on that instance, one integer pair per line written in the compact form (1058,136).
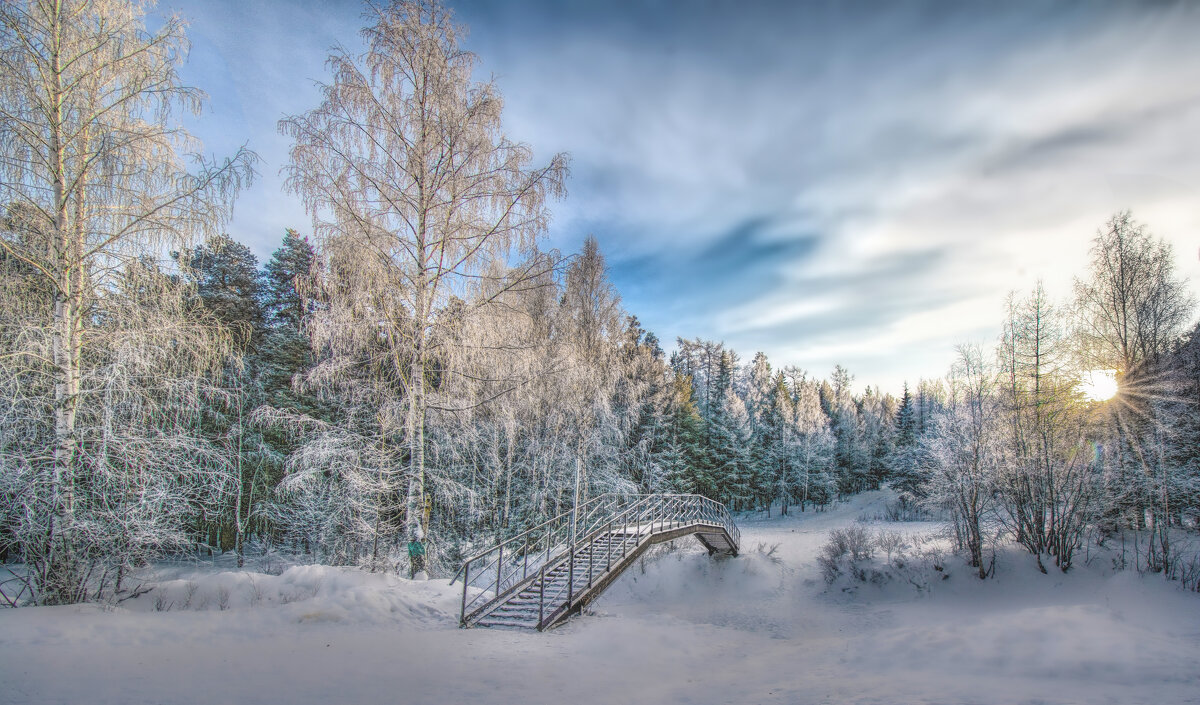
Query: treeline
(556,383)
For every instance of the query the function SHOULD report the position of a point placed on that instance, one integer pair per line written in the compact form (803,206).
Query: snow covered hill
(680,627)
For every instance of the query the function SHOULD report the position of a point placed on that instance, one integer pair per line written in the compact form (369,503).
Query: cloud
(824,182)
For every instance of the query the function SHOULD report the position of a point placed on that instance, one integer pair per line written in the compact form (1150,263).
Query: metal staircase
(539,578)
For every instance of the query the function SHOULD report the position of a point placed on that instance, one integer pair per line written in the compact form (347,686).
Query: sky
(826,182)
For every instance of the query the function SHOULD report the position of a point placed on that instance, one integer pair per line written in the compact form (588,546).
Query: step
(522,623)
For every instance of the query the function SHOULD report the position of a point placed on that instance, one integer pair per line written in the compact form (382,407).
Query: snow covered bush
(846,549)
(850,557)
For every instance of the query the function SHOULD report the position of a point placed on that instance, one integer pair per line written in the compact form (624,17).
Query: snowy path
(686,630)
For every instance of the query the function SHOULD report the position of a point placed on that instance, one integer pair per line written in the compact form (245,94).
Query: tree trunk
(415,500)
(58,579)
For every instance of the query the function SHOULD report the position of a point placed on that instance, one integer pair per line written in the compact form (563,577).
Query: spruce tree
(286,351)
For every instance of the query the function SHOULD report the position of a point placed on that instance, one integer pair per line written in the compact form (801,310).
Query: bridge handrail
(540,547)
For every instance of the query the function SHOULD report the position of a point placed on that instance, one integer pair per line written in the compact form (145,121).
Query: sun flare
(1099,385)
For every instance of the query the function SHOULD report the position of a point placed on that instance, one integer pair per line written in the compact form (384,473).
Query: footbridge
(539,578)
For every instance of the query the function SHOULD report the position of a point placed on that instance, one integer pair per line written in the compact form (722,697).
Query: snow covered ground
(682,628)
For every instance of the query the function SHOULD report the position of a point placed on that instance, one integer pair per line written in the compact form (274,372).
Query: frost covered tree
(778,438)
(904,463)
(287,289)
(964,452)
(92,167)
(1131,311)
(590,319)
(851,455)
(1181,428)
(875,412)
(687,461)
(813,445)
(224,275)
(415,194)
(1047,483)
(224,281)
(700,360)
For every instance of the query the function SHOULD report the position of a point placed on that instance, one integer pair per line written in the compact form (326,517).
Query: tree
(225,280)
(1181,427)
(285,281)
(286,291)
(779,435)
(91,163)
(814,444)
(736,476)
(688,467)
(905,466)
(590,318)
(850,454)
(906,421)
(1132,310)
(964,450)
(224,274)
(1047,484)
(415,194)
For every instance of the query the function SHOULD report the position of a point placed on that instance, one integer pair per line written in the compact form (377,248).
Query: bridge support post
(466,581)
(608,552)
(625,531)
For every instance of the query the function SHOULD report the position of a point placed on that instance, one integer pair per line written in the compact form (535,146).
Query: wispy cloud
(824,183)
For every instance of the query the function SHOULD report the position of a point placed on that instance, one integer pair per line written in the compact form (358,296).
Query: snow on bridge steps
(539,578)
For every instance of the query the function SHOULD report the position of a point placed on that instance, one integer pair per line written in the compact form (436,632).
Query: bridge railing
(487,576)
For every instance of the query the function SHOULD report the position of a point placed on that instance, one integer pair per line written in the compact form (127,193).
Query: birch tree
(92,173)
(415,192)
(1131,311)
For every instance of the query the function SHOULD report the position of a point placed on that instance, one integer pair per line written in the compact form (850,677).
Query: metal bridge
(539,578)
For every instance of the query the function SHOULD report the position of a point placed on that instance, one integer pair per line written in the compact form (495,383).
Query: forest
(416,375)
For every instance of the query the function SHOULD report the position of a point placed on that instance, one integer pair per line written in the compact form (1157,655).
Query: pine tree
(906,421)
(284,278)
(904,463)
(779,433)
(226,279)
(687,461)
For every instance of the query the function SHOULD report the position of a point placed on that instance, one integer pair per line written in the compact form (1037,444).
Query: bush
(915,559)
(854,543)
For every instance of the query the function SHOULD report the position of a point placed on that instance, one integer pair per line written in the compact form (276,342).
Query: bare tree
(1132,308)
(90,168)
(1047,482)
(964,449)
(1131,312)
(415,192)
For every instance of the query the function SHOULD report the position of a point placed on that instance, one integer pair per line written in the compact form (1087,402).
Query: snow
(678,627)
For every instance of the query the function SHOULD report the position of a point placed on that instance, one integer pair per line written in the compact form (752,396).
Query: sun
(1099,385)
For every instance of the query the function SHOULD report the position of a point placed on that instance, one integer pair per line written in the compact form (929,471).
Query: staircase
(539,578)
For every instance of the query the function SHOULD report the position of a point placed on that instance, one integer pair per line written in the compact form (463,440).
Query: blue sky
(826,182)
